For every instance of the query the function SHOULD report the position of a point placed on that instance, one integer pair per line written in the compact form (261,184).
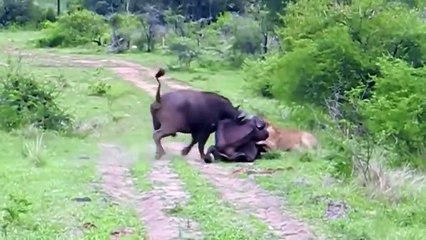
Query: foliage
(73,29)
(24,101)
(51,15)
(247,39)
(126,24)
(397,109)
(20,12)
(12,212)
(340,49)
(203,8)
(331,50)
(258,74)
(123,29)
(99,87)
(186,51)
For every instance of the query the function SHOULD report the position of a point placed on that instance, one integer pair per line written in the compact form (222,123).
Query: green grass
(68,171)
(217,219)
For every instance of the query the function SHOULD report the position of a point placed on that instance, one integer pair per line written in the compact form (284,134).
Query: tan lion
(288,139)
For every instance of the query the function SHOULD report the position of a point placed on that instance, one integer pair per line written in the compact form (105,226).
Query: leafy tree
(19,12)
(331,49)
(73,29)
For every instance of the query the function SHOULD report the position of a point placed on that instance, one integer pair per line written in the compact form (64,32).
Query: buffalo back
(232,134)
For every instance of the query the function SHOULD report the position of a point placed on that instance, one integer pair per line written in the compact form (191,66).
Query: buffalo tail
(159,74)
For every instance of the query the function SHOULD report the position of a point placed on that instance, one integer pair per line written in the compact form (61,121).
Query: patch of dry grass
(382,182)
(33,150)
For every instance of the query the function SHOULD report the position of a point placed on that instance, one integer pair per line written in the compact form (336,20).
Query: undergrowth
(26,100)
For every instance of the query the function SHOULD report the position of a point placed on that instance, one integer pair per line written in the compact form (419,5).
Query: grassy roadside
(48,176)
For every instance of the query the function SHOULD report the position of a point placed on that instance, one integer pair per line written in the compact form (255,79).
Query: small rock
(88,225)
(328,181)
(335,210)
(318,199)
(119,233)
(300,181)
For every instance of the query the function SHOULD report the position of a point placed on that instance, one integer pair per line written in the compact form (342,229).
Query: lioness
(288,139)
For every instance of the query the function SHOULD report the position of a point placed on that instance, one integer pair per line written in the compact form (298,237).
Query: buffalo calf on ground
(237,141)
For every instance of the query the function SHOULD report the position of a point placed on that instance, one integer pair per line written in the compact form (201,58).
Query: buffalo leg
(155,123)
(237,157)
(157,136)
(202,139)
(210,151)
(188,148)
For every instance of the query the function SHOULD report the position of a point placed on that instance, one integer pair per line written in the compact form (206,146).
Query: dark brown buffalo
(189,111)
(238,141)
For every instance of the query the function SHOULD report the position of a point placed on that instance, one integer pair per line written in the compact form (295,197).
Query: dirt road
(244,195)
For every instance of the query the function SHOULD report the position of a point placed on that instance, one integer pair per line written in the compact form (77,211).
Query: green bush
(242,34)
(247,36)
(396,112)
(125,25)
(331,50)
(25,101)
(186,51)
(50,15)
(73,29)
(20,12)
(337,46)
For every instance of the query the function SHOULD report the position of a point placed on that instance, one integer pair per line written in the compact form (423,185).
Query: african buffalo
(189,111)
(238,141)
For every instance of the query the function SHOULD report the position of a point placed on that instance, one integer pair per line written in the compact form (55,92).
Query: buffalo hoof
(158,156)
(184,151)
(208,159)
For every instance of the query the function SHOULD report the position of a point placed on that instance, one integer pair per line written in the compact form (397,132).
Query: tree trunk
(128,7)
(265,43)
(58,6)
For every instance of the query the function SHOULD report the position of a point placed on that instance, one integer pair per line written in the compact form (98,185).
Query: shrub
(333,50)
(73,29)
(20,12)
(25,101)
(50,15)
(99,87)
(397,109)
(185,50)
(328,48)
(125,25)
(242,34)
(247,36)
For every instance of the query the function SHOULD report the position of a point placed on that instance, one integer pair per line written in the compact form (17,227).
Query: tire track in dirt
(243,194)
(151,206)
(248,198)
